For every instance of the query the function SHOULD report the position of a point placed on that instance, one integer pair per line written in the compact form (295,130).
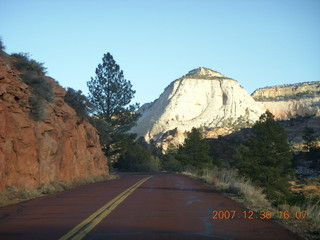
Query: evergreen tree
(110,94)
(310,139)
(132,156)
(195,150)
(266,157)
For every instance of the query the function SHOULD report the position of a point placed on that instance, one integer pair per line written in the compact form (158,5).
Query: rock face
(292,100)
(200,98)
(62,147)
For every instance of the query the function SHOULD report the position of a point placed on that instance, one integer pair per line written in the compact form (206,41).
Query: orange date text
(251,215)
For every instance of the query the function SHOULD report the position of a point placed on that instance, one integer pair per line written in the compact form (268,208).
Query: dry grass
(228,181)
(14,195)
(313,215)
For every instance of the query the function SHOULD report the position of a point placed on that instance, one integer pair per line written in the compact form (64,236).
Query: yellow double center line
(89,223)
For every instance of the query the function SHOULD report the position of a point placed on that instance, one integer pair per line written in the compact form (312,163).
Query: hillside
(35,152)
(292,100)
(202,97)
(206,98)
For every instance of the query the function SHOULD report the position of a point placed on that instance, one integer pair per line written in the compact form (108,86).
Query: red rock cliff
(62,147)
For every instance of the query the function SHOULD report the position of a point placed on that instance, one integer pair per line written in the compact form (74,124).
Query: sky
(256,42)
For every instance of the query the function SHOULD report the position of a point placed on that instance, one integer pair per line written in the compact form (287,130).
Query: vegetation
(78,102)
(170,163)
(23,63)
(195,153)
(266,157)
(13,194)
(110,96)
(40,87)
(310,139)
(195,150)
(2,48)
(229,181)
(103,130)
(32,73)
(133,157)
(243,190)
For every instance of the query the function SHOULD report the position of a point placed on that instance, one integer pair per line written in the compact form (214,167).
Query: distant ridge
(291,85)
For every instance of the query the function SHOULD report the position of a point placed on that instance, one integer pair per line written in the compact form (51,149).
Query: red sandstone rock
(33,153)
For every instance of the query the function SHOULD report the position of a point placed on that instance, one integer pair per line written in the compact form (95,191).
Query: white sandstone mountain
(291,100)
(201,98)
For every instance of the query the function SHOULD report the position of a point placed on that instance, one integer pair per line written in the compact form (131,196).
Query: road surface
(137,206)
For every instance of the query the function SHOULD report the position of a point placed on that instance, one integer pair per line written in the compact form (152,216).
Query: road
(136,206)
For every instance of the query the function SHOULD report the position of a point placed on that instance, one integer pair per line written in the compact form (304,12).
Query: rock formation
(200,98)
(63,147)
(287,101)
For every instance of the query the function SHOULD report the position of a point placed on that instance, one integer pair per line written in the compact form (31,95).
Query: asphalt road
(137,206)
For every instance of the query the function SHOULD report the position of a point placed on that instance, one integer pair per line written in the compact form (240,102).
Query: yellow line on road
(89,223)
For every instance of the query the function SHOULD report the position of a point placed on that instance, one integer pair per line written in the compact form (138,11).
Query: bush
(1,46)
(40,87)
(37,108)
(133,157)
(32,73)
(153,164)
(78,102)
(23,63)
(42,91)
(171,164)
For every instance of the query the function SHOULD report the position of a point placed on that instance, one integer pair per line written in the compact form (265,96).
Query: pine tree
(110,94)
(266,157)
(195,150)
(310,139)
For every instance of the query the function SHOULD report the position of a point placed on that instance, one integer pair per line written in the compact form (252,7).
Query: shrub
(171,164)
(78,102)
(133,157)
(37,108)
(153,164)
(32,73)
(23,63)
(227,180)
(42,91)
(1,46)
(40,87)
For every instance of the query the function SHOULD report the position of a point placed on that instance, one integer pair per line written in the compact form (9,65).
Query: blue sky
(257,42)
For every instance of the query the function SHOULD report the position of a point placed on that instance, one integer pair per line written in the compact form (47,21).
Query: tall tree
(111,94)
(266,157)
